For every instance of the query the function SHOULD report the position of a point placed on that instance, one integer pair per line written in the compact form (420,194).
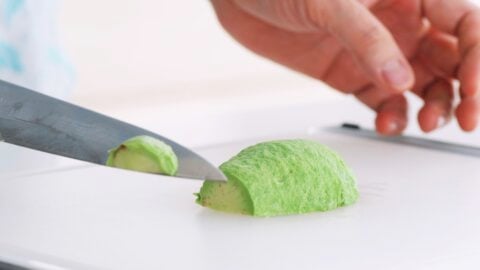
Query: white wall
(131,43)
(143,46)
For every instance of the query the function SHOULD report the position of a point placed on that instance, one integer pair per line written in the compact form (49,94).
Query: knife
(40,122)
(357,131)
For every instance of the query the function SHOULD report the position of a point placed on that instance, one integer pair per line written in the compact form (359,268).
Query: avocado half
(281,178)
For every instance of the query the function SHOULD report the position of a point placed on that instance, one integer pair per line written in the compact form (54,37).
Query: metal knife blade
(40,122)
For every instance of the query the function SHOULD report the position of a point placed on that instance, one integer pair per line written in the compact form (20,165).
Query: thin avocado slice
(281,178)
(144,154)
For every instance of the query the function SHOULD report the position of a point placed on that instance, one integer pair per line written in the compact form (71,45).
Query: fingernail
(396,74)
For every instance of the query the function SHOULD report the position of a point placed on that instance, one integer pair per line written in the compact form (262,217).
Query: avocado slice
(144,154)
(281,178)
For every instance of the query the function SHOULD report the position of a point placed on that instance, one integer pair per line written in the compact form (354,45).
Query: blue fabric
(9,58)
(30,53)
(10,8)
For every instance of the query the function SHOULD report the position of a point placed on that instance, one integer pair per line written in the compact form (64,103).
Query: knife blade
(37,121)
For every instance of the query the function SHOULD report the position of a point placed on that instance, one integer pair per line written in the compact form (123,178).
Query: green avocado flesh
(144,154)
(281,178)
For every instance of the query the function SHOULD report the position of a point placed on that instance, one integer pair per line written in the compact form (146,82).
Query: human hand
(373,49)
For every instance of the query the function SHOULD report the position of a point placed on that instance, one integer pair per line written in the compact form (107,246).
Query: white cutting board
(418,209)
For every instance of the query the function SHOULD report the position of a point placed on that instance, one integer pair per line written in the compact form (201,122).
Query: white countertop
(418,209)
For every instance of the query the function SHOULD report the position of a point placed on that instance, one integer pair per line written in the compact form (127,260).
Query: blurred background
(164,65)
(139,54)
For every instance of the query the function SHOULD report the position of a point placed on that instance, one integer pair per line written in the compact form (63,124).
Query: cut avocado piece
(227,197)
(144,154)
(281,178)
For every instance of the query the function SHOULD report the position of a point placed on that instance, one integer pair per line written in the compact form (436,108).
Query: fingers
(461,19)
(436,63)
(438,95)
(434,68)
(392,116)
(468,112)
(437,110)
(391,109)
(436,92)
(370,43)
(469,44)
(439,52)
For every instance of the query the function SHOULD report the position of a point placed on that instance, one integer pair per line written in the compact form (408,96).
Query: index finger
(460,18)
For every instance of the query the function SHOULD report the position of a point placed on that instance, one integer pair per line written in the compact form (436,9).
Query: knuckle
(371,37)
(294,14)
(317,11)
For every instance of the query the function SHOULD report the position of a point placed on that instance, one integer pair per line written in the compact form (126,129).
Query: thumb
(369,42)
(352,24)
